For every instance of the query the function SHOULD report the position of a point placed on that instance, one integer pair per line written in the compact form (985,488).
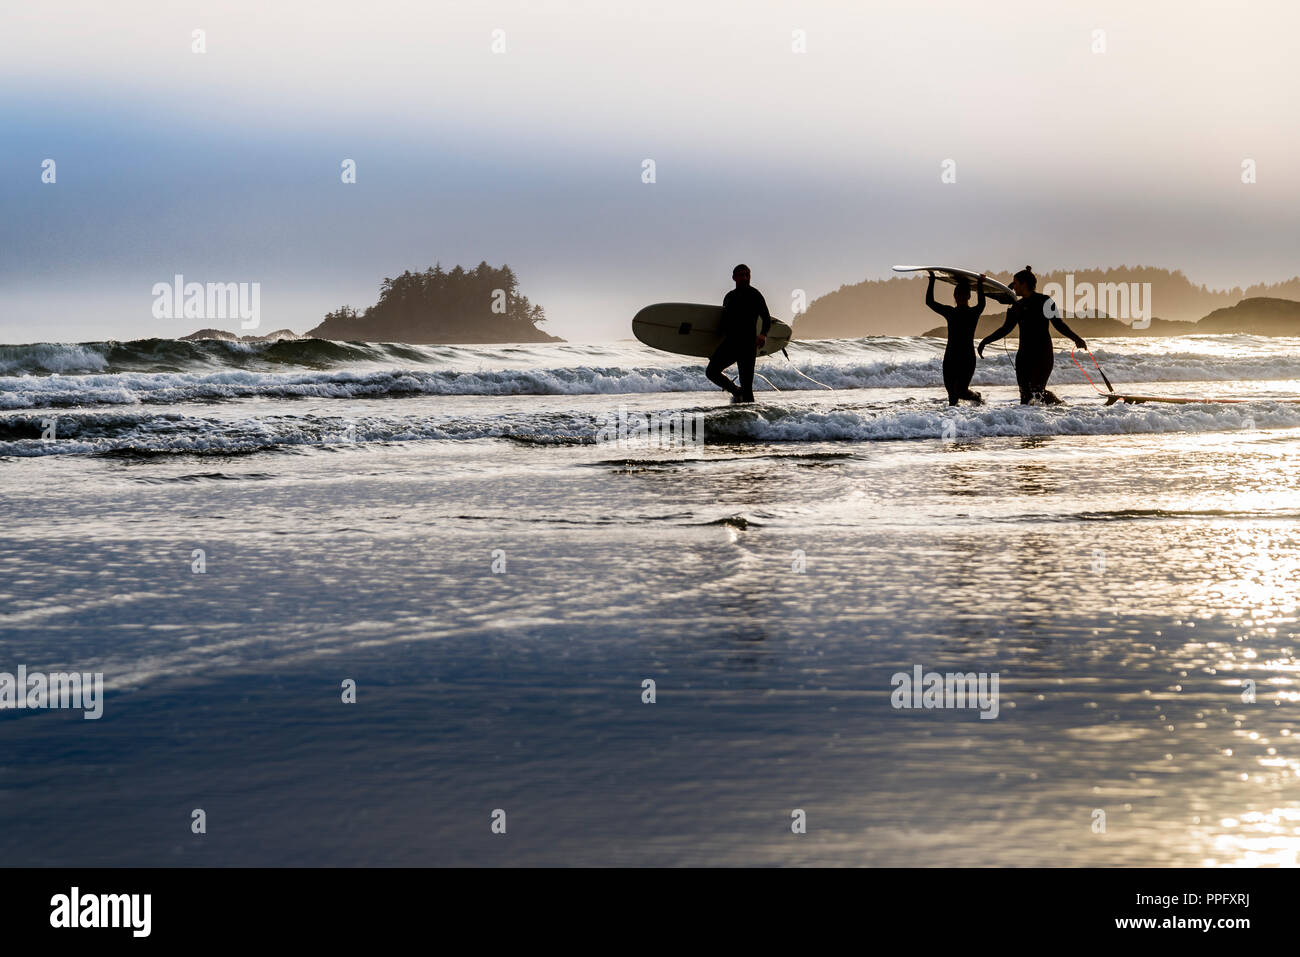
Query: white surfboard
(952,275)
(692,329)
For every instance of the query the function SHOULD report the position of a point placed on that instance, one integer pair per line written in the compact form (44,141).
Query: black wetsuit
(959,356)
(1034,358)
(740,308)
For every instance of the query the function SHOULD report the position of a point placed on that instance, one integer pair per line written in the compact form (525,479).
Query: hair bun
(1029,269)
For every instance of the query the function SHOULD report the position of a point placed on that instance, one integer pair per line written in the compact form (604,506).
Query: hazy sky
(816,168)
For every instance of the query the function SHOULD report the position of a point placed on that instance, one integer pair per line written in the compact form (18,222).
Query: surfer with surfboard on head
(959,354)
(740,308)
(1033,311)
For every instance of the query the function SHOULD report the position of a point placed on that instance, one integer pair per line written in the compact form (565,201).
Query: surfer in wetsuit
(959,356)
(740,308)
(1034,359)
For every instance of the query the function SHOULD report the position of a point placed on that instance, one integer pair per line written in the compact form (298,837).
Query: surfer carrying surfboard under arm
(1035,357)
(740,308)
(959,354)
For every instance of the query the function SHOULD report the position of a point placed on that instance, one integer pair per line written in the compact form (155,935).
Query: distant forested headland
(1257,316)
(443,307)
(897,306)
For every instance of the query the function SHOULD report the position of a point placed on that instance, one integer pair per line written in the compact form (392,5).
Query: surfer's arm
(762,311)
(1001,333)
(929,296)
(945,311)
(1066,331)
(979,292)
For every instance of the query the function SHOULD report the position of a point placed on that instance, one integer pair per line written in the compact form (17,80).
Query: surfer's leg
(1042,372)
(1023,378)
(968,373)
(1032,373)
(958,370)
(951,378)
(722,357)
(745,368)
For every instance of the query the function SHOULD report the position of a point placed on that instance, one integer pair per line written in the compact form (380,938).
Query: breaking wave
(153,371)
(142,433)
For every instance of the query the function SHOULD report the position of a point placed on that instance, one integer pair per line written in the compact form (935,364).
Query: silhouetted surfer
(959,356)
(740,308)
(1034,359)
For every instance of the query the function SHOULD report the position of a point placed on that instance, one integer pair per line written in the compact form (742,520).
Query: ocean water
(229,533)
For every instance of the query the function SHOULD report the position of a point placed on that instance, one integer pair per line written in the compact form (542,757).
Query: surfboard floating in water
(692,329)
(1184,400)
(953,275)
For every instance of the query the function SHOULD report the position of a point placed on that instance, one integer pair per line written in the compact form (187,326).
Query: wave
(144,434)
(53,375)
(171,388)
(901,422)
(179,355)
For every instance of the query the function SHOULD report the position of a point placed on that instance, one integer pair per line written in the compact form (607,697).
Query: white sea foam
(160,370)
(35,392)
(785,421)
